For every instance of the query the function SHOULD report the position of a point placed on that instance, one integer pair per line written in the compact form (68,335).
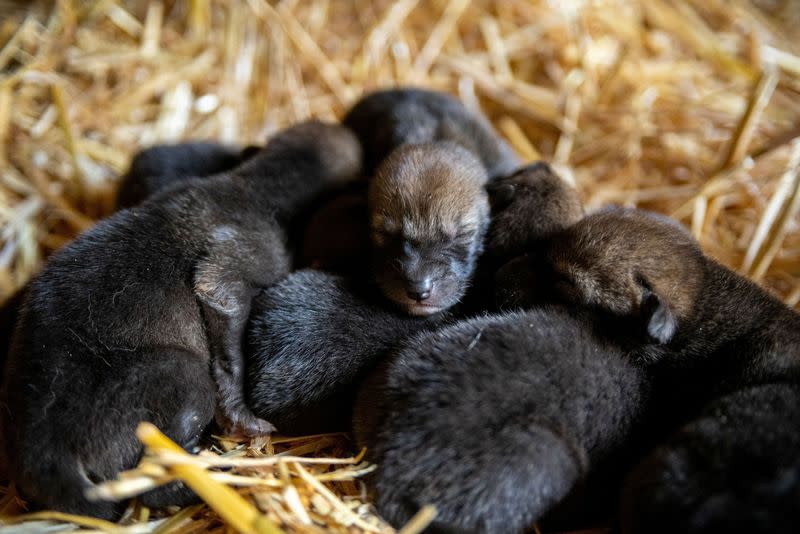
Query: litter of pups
(493,309)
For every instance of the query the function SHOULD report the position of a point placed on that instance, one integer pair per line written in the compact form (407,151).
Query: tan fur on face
(426,191)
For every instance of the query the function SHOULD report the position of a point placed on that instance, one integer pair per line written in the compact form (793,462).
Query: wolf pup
(697,321)
(141,319)
(428,215)
(494,420)
(717,348)
(310,341)
(734,468)
(428,212)
(161,166)
(385,120)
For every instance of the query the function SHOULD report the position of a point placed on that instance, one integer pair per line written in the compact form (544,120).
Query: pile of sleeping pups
(502,355)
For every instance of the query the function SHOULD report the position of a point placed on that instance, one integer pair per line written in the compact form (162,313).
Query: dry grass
(688,107)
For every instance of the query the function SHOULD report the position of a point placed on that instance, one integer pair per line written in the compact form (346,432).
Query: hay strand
(420,521)
(776,207)
(83,521)
(755,107)
(440,33)
(237,512)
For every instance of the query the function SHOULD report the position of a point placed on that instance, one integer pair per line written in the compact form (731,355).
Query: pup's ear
(500,195)
(537,167)
(660,319)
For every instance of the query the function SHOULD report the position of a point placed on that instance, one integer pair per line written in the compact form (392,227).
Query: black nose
(419,290)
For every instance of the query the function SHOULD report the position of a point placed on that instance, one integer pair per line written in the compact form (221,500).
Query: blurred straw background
(687,107)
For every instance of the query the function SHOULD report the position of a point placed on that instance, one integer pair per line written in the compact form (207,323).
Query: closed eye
(457,250)
(384,237)
(561,277)
(565,285)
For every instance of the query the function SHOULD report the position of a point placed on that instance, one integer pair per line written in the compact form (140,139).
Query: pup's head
(623,262)
(336,147)
(527,206)
(428,215)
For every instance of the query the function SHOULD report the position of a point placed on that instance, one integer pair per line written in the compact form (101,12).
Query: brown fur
(423,190)
(615,257)
(624,262)
(527,206)
(428,214)
(698,319)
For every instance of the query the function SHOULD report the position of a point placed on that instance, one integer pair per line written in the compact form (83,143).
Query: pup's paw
(243,422)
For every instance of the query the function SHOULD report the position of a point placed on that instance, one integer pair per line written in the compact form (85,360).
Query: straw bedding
(687,107)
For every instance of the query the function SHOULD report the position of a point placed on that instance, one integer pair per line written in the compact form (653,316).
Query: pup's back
(735,468)
(493,420)
(161,166)
(385,120)
(310,340)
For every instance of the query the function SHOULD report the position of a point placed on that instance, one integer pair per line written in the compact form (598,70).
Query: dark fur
(385,120)
(8,318)
(735,469)
(158,167)
(494,420)
(151,171)
(527,207)
(124,324)
(336,237)
(697,322)
(704,332)
(310,340)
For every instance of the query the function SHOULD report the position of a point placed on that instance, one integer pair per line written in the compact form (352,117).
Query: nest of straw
(687,107)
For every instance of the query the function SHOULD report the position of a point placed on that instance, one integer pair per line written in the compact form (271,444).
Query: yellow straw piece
(88,522)
(759,99)
(420,521)
(237,512)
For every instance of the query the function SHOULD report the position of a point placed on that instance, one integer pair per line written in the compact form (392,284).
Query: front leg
(226,306)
